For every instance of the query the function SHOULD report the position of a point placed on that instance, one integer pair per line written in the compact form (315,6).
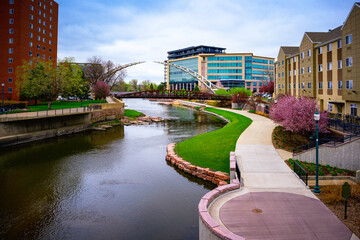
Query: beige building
(325,66)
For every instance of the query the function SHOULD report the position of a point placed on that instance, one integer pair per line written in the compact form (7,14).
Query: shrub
(331,194)
(101,90)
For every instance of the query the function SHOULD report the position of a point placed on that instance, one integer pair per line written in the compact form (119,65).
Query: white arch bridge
(205,83)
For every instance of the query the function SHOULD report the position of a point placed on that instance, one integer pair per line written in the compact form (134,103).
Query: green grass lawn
(212,149)
(62,105)
(132,113)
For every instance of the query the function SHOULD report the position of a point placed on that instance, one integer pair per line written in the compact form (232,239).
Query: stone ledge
(216,177)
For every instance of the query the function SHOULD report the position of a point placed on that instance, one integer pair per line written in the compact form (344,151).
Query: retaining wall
(346,155)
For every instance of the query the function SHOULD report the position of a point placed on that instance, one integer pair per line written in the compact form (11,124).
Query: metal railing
(237,170)
(346,118)
(301,172)
(334,141)
(46,113)
(344,126)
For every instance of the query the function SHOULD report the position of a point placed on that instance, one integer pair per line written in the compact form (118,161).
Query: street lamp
(275,101)
(317,118)
(3,105)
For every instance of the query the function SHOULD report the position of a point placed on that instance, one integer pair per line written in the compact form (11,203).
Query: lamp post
(3,105)
(317,118)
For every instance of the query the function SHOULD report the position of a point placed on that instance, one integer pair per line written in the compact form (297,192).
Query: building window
(44,40)
(30,44)
(302,70)
(11,40)
(353,109)
(328,47)
(282,73)
(38,55)
(10,70)
(38,38)
(289,73)
(303,85)
(320,50)
(50,34)
(11,21)
(51,3)
(309,53)
(39,21)
(11,50)
(329,107)
(44,48)
(309,69)
(43,56)
(50,26)
(320,85)
(294,72)
(32,8)
(339,64)
(45,7)
(294,85)
(339,84)
(50,42)
(289,85)
(10,80)
(348,39)
(30,54)
(50,58)
(44,15)
(31,17)
(31,35)
(330,85)
(348,62)
(31,26)
(44,23)
(339,43)
(294,59)
(279,75)
(50,19)
(282,62)
(11,11)
(329,66)
(51,11)
(349,84)
(309,85)
(282,86)
(50,50)
(38,46)
(11,30)
(302,55)
(10,60)
(39,3)
(44,31)
(279,86)
(320,68)
(39,12)
(9,90)
(11,1)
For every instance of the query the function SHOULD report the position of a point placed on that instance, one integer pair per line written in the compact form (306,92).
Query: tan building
(325,66)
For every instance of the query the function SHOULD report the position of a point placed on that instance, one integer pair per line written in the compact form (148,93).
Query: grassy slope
(132,113)
(212,150)
(61,105)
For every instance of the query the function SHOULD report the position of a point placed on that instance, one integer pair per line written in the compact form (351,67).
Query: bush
(101,90)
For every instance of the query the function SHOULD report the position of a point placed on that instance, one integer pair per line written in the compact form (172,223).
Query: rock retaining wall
(216,177)
(107,114)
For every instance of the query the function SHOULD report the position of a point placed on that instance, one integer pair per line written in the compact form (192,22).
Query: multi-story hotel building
(28,29)
(325,66)
(228,69)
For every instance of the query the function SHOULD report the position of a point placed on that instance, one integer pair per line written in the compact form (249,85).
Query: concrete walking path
(273,203)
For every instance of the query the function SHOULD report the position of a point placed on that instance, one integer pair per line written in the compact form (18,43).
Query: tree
(101,90)
(134,85)
(269,88)
(106,71)
(145,85)
(196,89)
(254,102)
(45,81)
(161,86)
(297,115)
(151,86)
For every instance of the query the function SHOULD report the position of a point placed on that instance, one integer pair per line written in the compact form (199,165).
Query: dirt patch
(287,140)
(331,197)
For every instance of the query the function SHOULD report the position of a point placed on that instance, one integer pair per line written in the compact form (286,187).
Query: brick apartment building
(28,29)
(326,66)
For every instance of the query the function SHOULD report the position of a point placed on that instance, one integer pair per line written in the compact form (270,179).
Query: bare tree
(106,71)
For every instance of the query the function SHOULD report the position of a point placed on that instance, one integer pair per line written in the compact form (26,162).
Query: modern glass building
(226,69)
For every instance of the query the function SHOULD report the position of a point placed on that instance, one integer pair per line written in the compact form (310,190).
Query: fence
(302,173)
(55,112)
(346,118)
(344,126)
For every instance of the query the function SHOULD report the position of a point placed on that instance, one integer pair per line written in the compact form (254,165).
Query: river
(112,184)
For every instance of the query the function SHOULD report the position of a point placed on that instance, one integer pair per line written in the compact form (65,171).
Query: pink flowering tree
(101,90)
(297,115)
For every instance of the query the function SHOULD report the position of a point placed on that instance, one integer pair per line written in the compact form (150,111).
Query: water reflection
(106,184)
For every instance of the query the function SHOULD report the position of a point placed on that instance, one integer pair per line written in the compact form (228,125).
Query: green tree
(145,85)
(196,89)
(134,85)
(45,81)
(151,86)
(161,86)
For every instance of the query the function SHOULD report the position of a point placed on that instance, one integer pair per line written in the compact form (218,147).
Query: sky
(126,31)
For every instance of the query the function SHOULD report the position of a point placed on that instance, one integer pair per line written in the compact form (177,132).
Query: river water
(112,184)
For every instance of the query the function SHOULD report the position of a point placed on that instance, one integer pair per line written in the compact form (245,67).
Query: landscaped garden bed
(331,197)
(287,140)
(62,105)
(324,170)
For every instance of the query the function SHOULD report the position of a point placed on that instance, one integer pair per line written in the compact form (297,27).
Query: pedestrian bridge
(175,94)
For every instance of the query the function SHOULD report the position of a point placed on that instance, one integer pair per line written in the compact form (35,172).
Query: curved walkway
(273,203)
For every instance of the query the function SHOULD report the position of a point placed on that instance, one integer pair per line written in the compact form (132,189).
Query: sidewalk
(273,203)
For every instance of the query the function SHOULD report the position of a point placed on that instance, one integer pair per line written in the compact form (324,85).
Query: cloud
(126,31)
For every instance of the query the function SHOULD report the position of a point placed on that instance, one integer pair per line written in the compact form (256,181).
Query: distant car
(91,98)
(61,98)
